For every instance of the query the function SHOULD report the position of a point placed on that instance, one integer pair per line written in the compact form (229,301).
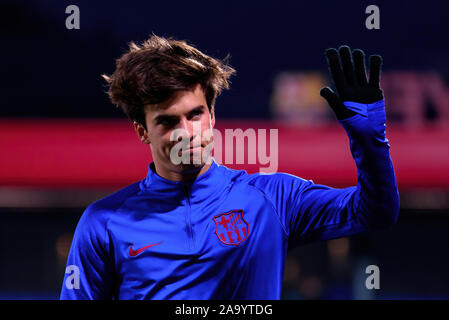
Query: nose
(190,128)
(185,125)
(186,128)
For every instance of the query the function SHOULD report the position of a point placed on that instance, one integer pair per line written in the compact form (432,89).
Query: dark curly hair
(153,72)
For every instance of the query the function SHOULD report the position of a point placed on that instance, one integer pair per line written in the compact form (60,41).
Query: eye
(166,122)
(196,113)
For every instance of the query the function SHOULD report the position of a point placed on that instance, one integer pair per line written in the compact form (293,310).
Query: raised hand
(353,88)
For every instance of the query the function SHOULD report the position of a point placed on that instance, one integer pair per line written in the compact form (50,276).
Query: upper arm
(89,254)
(310,211)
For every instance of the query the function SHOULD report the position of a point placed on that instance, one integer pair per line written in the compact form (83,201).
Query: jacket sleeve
(311,212)
(88,274)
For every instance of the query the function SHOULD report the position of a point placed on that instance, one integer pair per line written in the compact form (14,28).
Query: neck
(186,173)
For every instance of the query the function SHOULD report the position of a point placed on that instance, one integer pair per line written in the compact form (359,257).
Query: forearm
(377,198)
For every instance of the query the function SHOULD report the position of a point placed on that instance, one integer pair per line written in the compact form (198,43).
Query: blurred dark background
(52,75)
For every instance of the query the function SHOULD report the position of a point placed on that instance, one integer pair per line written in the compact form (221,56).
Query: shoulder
(100,210)
(277,179)
(266,181)
(92,226)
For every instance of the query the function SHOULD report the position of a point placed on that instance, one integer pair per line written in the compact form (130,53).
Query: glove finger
(359,66)
(374,72)
(330,96)
(335,68)
(337,106)
(348,66)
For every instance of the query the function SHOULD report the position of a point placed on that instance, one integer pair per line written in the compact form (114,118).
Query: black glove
(350,81)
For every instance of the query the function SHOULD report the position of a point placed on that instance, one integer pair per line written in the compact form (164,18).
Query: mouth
(192,149)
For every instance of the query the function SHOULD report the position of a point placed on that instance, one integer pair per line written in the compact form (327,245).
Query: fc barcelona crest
(231,227)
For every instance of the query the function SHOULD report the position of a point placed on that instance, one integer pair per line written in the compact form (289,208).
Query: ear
(212,117)
(141,133)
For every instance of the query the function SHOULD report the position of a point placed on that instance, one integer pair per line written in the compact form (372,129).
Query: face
(186,113)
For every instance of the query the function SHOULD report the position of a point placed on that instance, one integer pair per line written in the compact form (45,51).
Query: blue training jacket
(226,235)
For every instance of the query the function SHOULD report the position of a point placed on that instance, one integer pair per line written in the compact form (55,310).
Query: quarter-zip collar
(206,186)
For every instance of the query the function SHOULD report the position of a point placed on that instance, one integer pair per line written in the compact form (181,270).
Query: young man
(201,230)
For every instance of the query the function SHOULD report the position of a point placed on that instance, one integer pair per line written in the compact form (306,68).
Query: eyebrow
(165,117)
(171,117)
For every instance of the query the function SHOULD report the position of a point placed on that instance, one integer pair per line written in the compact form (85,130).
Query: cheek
(206,123)
(160,139)
(207,130)
(165,141)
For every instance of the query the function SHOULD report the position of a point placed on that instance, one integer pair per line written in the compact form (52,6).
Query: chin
(192,166)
